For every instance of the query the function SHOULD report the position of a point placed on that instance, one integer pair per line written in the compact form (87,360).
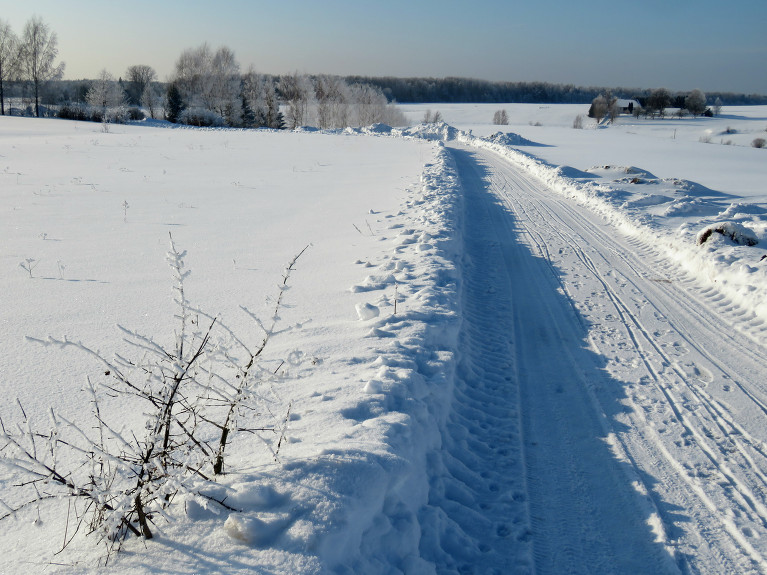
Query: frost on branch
(198,394)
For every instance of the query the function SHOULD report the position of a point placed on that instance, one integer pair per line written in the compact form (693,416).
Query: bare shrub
(578,122)
(198,393)
(758,143)
(429,118)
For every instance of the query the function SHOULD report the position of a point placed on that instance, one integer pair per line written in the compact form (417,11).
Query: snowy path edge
(378,527)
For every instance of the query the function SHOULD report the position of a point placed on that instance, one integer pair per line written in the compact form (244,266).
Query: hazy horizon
(678,46)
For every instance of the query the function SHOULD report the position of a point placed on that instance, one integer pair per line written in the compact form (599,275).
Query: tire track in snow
(711,456)
(477,490)
(523,352)
(717,414)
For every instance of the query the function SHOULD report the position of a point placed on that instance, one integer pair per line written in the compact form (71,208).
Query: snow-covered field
(507,353)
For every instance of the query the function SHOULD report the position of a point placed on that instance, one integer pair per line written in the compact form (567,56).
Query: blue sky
(681,45)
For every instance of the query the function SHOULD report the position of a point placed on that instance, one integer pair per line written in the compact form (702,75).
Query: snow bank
(436,131)
(739,234)
(510,139)
(374,526)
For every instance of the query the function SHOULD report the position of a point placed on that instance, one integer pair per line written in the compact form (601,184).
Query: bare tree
(695,102)
(260,95)
(37,54)
(139,78)
(598,110)
(298,92)
(8,59)
(659,100)
(717,106)
(151,99)
(107,95)
(253,91)
(210,81)
(369,103)
(193,74)
(500,118)
(333,95)
(429,118)
(274,118)
(224,87)
(613,110)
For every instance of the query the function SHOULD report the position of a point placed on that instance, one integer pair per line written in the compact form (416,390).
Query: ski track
(608,417)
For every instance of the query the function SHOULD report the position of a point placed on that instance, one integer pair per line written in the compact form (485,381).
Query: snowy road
(610,415)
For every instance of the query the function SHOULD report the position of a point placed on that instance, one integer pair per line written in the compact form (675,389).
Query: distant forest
(471,91)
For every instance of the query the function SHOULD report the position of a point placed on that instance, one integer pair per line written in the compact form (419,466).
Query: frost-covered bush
(758,143)
(201,118)
(74,112)
(85,113)
(198,393)
(135,114)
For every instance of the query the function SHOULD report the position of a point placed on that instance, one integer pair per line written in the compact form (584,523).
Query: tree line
(473,91)
(206,88)
(28,59)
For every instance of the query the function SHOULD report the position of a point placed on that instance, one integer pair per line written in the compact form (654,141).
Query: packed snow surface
(509,349)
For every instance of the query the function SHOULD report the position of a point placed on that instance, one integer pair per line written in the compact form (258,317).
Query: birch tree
(298,92)
(210,81)
(8,59)
(332,95)
(37,56)
(224,86)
